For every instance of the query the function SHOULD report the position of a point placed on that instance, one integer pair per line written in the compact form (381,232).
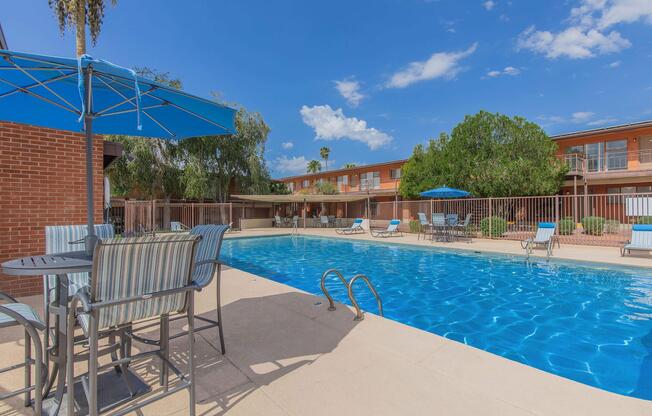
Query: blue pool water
(588,323)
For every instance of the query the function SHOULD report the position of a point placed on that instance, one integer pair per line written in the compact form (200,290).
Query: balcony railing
(580,164)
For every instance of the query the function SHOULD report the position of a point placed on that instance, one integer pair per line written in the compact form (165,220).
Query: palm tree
(314,166)
(79,13)
(349,165)
(324,152)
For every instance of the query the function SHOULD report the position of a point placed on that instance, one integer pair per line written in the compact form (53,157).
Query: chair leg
(70,365)
(28,368)
(219,309)
(92,368)
(165,350)
(191,354)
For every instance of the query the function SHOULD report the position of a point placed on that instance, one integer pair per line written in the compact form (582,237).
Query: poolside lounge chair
(392,229)
(439,225)
(356,227)
(462,229)
(277,221)
(641,239)
(177,226)
(545,237)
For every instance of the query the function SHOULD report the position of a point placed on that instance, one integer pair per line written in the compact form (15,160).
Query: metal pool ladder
(359,316)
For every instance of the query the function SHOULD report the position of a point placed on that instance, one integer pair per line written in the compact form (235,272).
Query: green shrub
(644,220)
(415,226)
(611,226)
(593,225)
(567,226)
(498,226)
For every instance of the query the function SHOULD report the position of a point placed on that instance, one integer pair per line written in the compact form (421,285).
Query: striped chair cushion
(207,249)
(136,266)
(57,240)
(23,310)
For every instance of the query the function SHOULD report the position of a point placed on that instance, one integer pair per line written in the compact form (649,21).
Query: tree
(79,13)
(326,188)
(324,152)
(314,166)
(488,155)
(279,188)
(349,165)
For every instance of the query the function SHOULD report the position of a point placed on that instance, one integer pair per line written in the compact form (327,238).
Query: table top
(73,262)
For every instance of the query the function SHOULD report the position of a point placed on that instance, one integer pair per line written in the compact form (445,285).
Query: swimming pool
(588,323)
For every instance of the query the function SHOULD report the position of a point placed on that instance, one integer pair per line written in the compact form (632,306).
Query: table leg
(60,345)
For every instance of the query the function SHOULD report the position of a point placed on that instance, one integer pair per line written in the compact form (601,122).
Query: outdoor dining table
(60,265)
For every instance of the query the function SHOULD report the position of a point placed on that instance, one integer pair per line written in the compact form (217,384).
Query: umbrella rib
(42,61)
(160,124)
(39,82)
(131,110)
(47,81)
(40,97)
(126,100)
(184,109)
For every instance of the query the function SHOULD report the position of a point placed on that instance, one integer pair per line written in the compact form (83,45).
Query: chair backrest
(451,219)
(467,219)
(357,223)
(59,237)
(642,235)
(545,231)
(136,266)
(277,218)
(176,226)
(295,220)
(438,218)
(422,218)
(323,219)
(207,249)
(393,225)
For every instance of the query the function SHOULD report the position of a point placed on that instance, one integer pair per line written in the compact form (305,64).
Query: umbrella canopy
(96,96)
(445,192)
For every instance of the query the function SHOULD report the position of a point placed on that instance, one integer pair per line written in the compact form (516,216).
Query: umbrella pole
(91,239)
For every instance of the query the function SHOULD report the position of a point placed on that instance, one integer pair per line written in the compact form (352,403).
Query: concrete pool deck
(288,355)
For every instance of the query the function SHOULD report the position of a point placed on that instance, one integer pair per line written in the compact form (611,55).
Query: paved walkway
(288,355)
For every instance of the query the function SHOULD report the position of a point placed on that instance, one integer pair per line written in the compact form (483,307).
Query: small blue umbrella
(96,96)
(445,192)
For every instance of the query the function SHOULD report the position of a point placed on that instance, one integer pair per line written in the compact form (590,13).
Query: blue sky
(371,79)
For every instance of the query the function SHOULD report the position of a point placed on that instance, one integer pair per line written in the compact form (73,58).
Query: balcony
(608,164)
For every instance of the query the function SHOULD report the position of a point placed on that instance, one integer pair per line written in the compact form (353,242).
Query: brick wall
(42,182)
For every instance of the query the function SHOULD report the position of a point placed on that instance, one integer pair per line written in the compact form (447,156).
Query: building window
(342,181)
(616,154)
(370,180)
(643,189)
(306,183)
(594,155)
(290,186)
(613,199)
(395,173)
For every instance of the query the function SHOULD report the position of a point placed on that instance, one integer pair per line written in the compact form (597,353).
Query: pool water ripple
(588,323)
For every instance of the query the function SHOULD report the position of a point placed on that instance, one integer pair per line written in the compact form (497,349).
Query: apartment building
(380,179)
(609,160)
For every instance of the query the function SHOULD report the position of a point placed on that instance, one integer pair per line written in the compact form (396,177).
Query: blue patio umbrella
(96,96)
(445,192)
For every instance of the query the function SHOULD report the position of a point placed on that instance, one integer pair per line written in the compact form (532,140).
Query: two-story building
(379,179)
(610,160)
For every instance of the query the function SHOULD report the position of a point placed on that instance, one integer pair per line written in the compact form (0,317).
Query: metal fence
(600,219)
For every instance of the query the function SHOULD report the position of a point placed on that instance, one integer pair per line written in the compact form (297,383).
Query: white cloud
(287,145)
(602,121)
(296,165)
(439,65)
(588,33)
(509,70)
(330,124)
(578,117)
(489,4)
(350,90)
(614,64)
(581,116)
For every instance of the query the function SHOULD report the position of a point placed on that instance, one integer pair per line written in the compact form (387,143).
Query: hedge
(498,226)
(567,226)
(593,225)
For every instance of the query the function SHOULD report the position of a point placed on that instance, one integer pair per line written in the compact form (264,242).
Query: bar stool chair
(13,313)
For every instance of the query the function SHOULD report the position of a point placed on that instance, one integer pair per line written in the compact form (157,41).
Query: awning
(303,198)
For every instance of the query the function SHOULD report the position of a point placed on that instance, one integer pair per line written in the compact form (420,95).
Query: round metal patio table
(59,265)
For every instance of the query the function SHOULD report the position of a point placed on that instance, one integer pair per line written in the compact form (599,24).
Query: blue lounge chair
(355,228)
(545,237)
(392,229)
(641,239)
(177,226)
